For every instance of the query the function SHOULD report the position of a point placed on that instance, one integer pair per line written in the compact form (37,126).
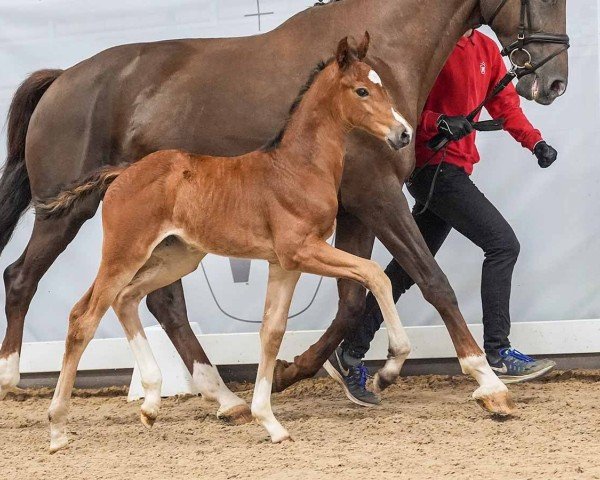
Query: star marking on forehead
(374,77)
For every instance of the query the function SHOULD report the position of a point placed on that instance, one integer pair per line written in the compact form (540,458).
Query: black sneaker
(352,379)
(512,366)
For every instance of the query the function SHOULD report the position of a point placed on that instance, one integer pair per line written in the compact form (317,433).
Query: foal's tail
(15,194)
(96,183)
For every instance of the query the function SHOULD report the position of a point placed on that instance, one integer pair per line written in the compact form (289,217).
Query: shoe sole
(333,373)
(526,378)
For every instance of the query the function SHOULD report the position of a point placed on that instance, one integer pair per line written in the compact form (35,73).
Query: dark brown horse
(163,214)
(132,100)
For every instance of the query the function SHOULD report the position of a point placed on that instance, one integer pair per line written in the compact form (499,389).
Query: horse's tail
(15,194)
(96,183)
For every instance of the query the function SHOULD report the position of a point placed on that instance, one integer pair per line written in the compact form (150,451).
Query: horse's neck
(411,41)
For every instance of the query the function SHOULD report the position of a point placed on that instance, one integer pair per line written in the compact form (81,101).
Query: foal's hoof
(499,403)
(237,415)
(282,437)
(59,443)
(148,419)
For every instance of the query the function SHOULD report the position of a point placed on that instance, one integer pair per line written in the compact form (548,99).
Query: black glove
(545,154)
(454,128)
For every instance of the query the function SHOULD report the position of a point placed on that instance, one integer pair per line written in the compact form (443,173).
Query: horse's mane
(321,3)
(276,141)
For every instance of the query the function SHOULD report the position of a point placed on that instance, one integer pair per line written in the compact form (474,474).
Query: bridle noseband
(525,37)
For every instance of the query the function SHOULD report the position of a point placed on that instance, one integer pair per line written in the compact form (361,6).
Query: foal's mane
(275,142)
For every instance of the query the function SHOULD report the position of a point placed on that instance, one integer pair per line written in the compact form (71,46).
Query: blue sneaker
(512,366)
(353,379)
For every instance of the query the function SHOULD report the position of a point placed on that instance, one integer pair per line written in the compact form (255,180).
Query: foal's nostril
(405,138)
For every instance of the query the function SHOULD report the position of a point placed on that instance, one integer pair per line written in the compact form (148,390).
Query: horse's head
(533,33)
(363,101)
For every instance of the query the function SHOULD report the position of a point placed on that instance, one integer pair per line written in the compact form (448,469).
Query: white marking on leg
(149,373)
(207,381)
(375,78)
(57,413)
(9,373)
(399,342)
(478,367)
(263,413)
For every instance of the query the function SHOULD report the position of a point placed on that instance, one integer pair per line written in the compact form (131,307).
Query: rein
(525,38)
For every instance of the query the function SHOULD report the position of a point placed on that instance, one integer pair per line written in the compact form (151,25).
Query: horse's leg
(170,261)
(351,236)
(167,304)
(48,240)
(321,258)
(277,305)
(399,233)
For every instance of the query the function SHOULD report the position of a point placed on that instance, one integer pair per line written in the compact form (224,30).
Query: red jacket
(473,69)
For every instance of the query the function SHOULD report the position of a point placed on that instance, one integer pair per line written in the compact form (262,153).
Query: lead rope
(433,181)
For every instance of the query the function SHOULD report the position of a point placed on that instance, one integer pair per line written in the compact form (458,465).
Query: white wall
(554,211)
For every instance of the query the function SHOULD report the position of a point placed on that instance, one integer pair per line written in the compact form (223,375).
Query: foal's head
(363,101)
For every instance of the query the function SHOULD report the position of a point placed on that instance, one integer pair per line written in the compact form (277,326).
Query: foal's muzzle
(399,137)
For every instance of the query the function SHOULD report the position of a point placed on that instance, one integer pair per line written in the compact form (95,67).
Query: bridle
(525,37)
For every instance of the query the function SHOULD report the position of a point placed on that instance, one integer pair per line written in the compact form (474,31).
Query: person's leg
(460,203)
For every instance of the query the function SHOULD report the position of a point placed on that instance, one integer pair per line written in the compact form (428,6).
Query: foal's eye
(362,92)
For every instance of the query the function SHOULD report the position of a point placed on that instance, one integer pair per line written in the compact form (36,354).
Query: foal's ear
(344,56)
(363,48)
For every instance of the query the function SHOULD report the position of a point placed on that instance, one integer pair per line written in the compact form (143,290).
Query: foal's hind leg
(277,305)
(83,322)
(121,260)
(48,240)
(170,261)
(126,307)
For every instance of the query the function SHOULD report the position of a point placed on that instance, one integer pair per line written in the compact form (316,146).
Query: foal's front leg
(321,258)
(277,305)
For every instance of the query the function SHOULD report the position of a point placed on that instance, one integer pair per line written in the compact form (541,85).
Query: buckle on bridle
(526,64)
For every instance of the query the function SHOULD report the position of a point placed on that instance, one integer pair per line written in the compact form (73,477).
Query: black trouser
(456,203)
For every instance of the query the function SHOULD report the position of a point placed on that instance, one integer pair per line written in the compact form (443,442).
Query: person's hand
(454,128)
(545,154)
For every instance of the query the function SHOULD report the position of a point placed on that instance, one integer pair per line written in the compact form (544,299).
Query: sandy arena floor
(427,429)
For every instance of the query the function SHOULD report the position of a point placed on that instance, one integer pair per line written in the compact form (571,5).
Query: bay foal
(163,214)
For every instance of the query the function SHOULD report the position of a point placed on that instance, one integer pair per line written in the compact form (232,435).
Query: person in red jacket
(454,202)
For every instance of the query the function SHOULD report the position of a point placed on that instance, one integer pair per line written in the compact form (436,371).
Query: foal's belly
(228,234)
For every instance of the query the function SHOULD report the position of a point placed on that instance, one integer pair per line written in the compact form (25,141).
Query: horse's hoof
(380,383)
(148,419)
(499,403)
(280,383)
(237,415)
(59,443)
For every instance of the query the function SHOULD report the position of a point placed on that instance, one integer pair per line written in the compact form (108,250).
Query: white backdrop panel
(554,212)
